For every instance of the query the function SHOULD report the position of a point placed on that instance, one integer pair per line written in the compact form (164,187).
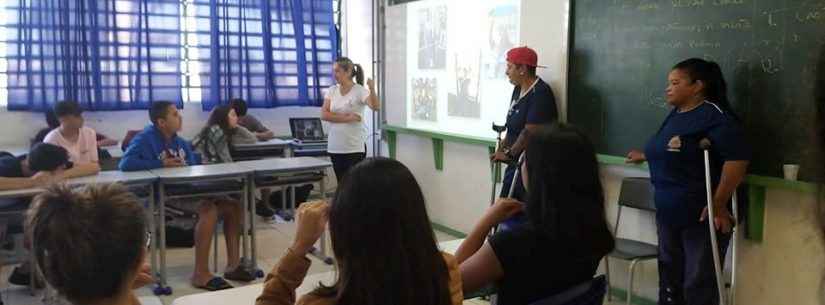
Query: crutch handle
(704,144)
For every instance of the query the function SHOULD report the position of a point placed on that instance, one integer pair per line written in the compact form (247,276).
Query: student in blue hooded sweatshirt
(158,146)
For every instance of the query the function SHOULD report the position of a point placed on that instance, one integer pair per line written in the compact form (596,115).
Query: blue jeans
(686,270)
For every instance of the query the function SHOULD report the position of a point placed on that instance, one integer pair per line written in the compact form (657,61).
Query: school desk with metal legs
(286,172)
(196,181)
(130,179)
(264,146)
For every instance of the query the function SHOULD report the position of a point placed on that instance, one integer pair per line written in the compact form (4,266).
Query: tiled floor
(273,240)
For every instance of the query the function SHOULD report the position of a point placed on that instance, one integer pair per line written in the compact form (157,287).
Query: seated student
(51,124)
(383,242)
(220,133)
(249,121)
(566,233)
(45,164)
(157,146)
(90,245)
(80,141)
(215,139)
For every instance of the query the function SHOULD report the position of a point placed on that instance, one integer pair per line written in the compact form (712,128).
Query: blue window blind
(106,54)
(271,53)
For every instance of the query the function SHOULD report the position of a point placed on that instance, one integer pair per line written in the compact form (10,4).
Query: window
(270,52)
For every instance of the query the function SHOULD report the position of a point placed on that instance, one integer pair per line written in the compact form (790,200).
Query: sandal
(239,274)
(215,284)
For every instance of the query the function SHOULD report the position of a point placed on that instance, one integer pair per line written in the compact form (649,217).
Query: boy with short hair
(158,146)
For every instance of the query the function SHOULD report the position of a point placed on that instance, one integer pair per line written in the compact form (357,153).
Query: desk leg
(288,152)
(153,232)
(252,232)
(292,204)
(163,288)
(323,255)
(245,198)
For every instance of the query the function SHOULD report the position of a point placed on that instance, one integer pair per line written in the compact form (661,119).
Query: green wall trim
(758,184)
(620,296)
(446,136)
(392,142)
(447,230)
(756,213)
(438,154)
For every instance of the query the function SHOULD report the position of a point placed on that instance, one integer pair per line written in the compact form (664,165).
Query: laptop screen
(307,129)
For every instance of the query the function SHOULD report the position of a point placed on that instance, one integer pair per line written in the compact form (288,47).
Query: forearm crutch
(717,264)
(496,165)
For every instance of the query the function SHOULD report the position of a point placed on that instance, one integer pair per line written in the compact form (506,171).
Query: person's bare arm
(329,116)
(372,99)
(82,170)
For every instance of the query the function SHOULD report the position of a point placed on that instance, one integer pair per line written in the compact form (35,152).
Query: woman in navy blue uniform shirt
(531,105)
(698,93)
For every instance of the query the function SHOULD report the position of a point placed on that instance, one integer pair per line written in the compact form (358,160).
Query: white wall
(357,43)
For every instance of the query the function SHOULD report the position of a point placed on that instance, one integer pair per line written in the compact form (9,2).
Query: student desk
(135,179)
(261,147)
(311,149)
(195,181)
(287,172)
(248,294)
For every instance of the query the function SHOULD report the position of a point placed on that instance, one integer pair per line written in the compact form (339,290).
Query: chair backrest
(637,193)
(588,293)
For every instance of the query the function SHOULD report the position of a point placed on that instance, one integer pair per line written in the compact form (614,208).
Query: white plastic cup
(791,171)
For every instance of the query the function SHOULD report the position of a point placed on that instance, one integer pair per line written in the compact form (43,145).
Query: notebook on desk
(307,130)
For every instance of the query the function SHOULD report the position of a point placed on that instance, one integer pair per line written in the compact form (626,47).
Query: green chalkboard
(769,51)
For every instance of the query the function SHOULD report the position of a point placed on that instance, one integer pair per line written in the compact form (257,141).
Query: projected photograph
(502,35)
(432,37)
(464,101)
(425,99)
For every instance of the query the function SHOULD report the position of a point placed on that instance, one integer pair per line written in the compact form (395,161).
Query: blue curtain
(271,53)
(106,54)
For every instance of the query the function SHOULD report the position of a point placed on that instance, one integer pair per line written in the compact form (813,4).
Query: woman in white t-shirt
(343,108)
(80,141)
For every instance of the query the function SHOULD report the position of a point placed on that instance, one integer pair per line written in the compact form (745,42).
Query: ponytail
(709,72)
(358,73)
(357,70)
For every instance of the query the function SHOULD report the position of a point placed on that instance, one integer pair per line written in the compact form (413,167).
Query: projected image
(501,32)
(425,99)
(464,101)
(432,41)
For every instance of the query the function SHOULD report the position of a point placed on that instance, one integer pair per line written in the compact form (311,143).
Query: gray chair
(636,193)
(588,293)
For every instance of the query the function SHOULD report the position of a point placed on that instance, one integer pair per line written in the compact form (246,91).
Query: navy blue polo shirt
(538,106)
(677,166)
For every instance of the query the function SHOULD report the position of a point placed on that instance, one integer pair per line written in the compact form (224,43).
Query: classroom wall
(357,42)
(459,193)
(787,267)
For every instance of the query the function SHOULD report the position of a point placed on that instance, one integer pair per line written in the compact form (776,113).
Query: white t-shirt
(82,151)
(347,138)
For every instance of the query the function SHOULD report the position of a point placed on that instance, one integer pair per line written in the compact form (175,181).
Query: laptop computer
(307,130)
